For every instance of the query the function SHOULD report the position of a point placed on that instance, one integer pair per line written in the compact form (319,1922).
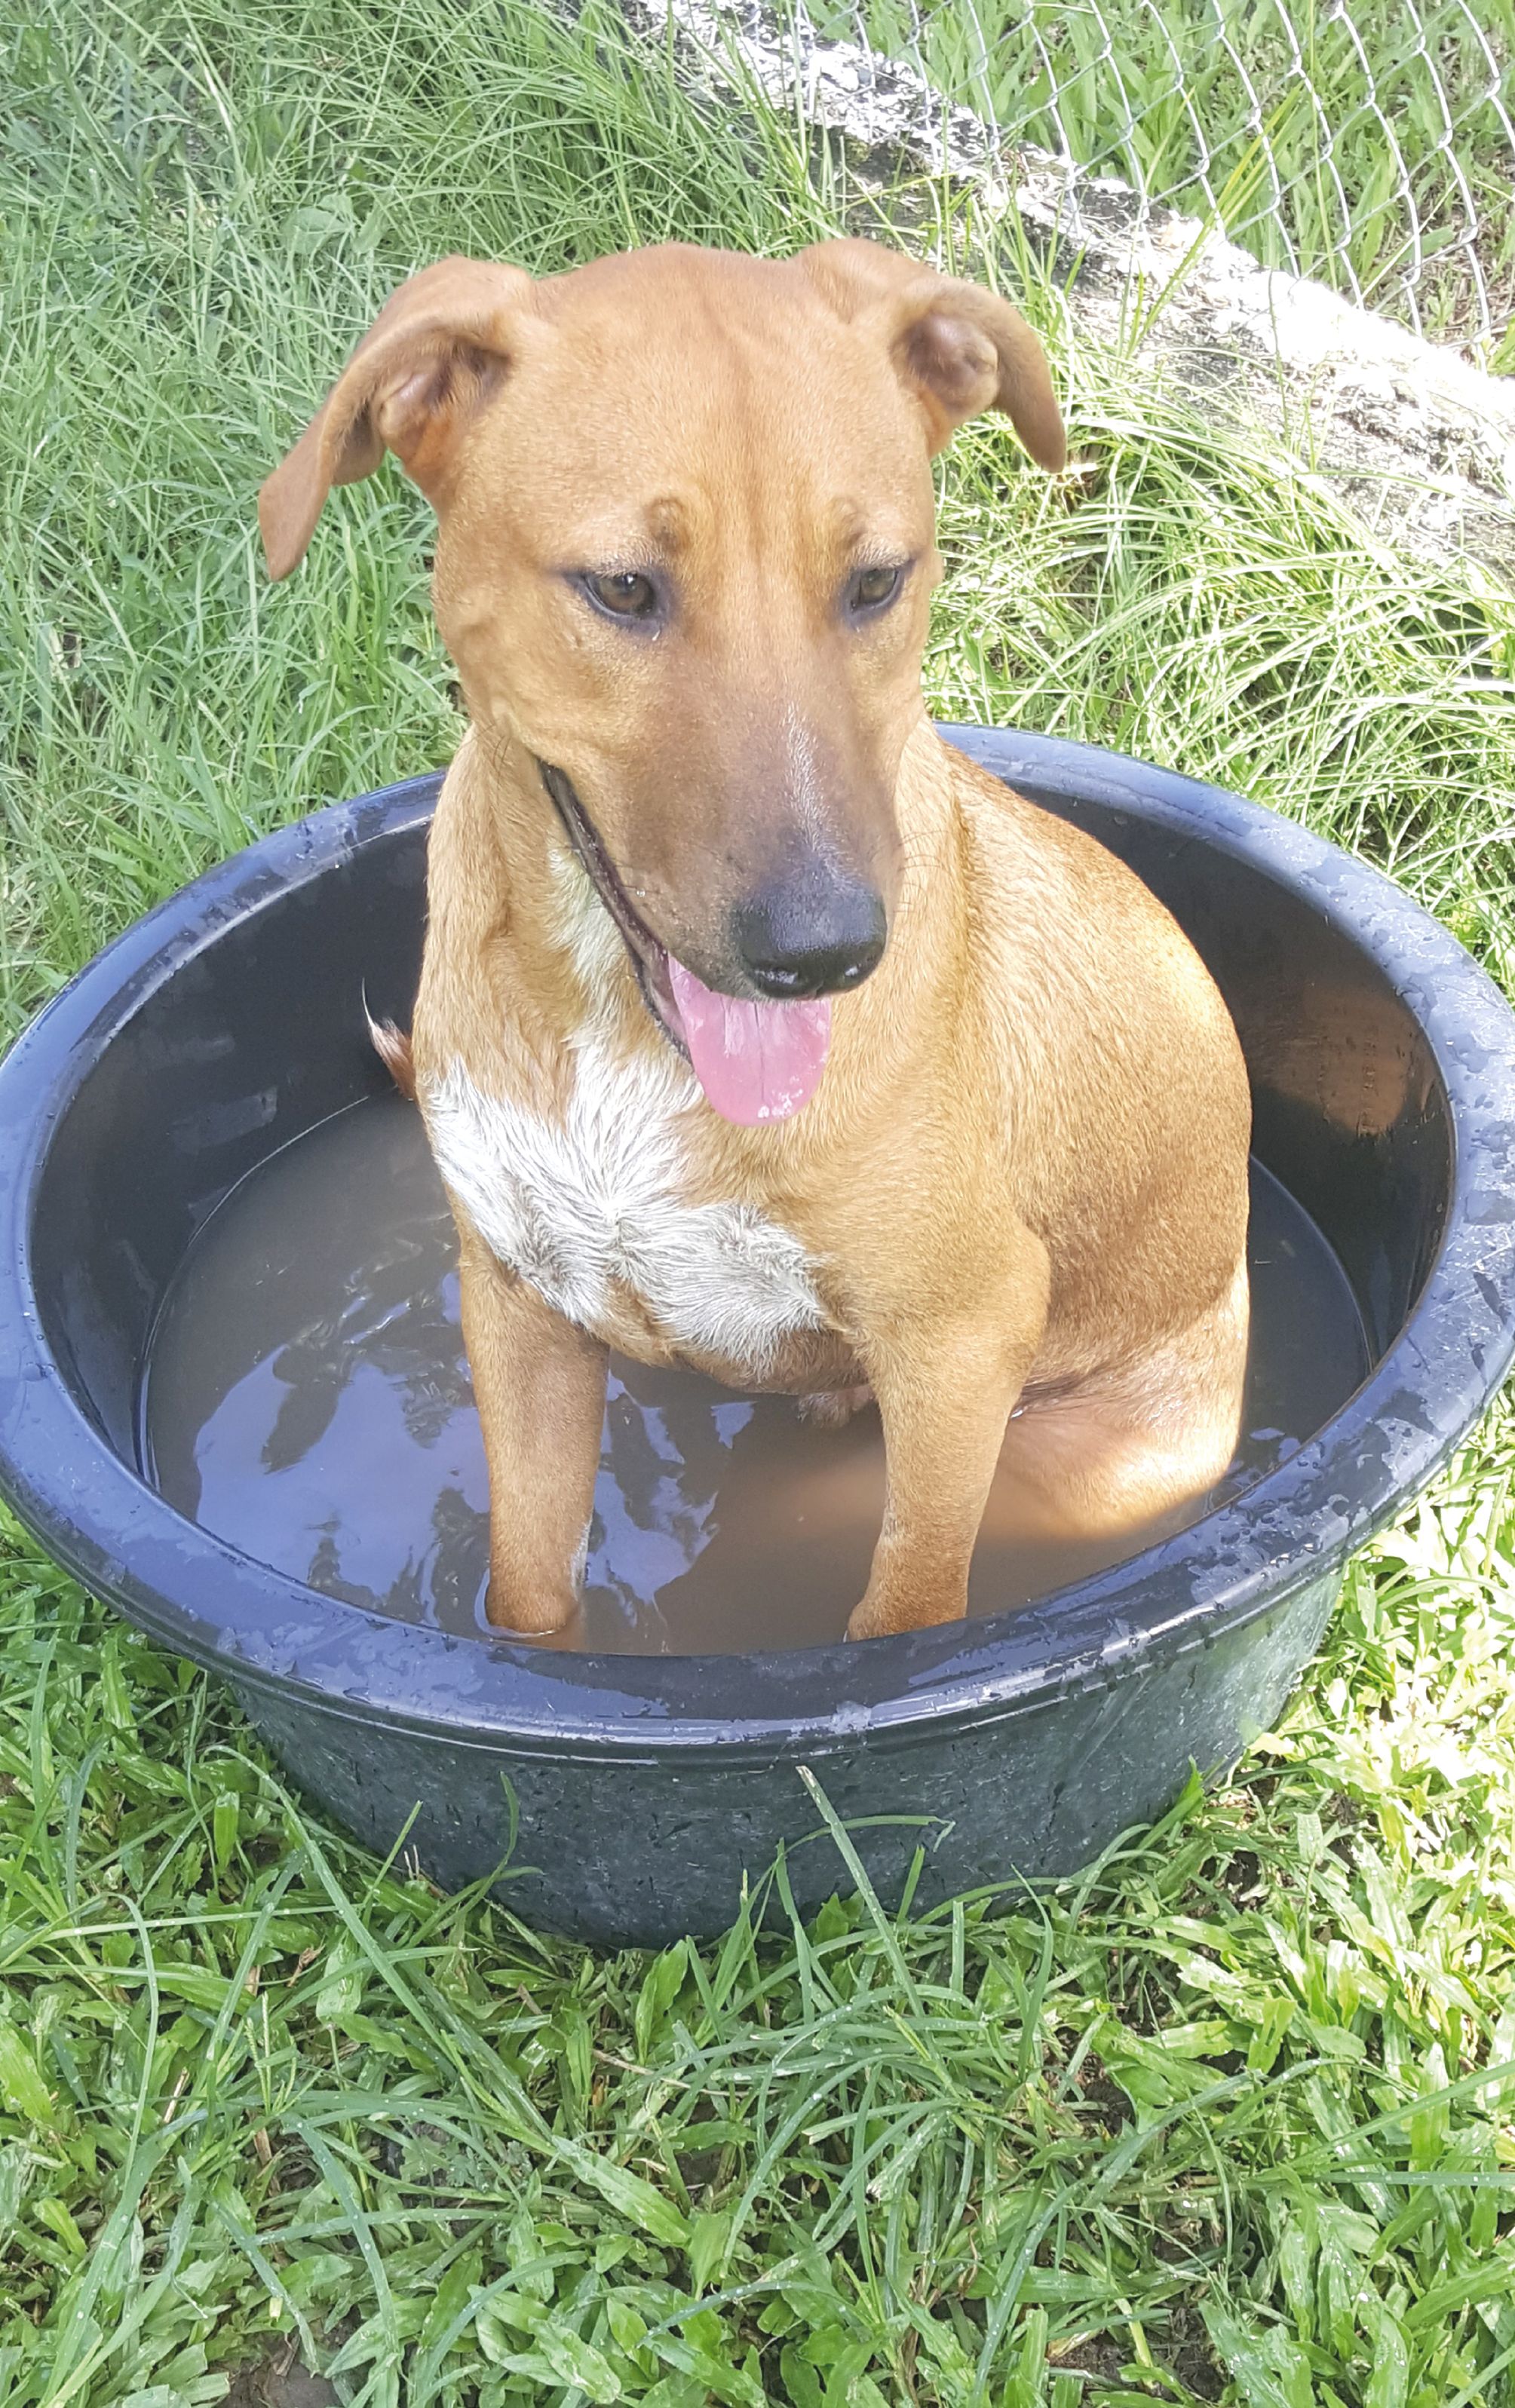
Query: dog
(758,1031)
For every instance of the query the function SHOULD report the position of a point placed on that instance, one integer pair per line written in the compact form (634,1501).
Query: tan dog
(757,1031)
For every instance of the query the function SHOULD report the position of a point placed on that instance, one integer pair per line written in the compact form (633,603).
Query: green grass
(1369,146)
(1231,2118)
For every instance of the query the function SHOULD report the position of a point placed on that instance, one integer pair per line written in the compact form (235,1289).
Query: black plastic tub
(231,1021)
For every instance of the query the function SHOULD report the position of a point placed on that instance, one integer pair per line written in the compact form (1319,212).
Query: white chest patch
(593,1203)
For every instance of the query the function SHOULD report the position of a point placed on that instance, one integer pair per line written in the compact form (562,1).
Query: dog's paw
(545,1617)
(884,1614)
(863,1623)
(834,1407)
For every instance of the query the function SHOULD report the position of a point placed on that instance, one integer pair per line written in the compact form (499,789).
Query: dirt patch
(281,2382)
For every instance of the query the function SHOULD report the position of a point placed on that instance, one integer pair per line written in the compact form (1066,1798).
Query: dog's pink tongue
(754,1061)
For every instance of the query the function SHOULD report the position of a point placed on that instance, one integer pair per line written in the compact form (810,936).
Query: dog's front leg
(539,1386)
(947,1383)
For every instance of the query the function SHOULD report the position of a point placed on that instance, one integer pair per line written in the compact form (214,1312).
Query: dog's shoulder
(1015,834)
(1057,893)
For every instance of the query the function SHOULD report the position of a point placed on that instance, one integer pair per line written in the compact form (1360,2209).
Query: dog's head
(685,549)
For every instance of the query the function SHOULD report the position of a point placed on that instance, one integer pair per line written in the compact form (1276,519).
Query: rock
(1420,441)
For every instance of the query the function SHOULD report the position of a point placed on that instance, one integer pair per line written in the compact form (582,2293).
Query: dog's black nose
(812,933)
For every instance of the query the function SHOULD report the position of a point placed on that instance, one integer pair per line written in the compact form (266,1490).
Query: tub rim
(96,1515)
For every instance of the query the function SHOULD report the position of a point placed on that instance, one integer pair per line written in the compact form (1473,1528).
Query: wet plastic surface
(231,1020)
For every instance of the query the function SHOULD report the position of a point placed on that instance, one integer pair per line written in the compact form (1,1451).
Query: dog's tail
(393,1048)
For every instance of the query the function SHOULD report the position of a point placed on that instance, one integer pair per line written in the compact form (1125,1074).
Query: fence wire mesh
(1370,143)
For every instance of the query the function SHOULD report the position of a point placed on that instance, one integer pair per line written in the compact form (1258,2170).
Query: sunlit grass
(1370,145)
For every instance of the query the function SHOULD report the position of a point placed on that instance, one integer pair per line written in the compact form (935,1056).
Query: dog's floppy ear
(959,348)
(438,347)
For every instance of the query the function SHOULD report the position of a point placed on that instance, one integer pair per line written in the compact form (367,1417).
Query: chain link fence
(1369,143)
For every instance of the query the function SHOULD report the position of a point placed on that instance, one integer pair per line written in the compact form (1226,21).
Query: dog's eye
(872,590)
(624,594)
